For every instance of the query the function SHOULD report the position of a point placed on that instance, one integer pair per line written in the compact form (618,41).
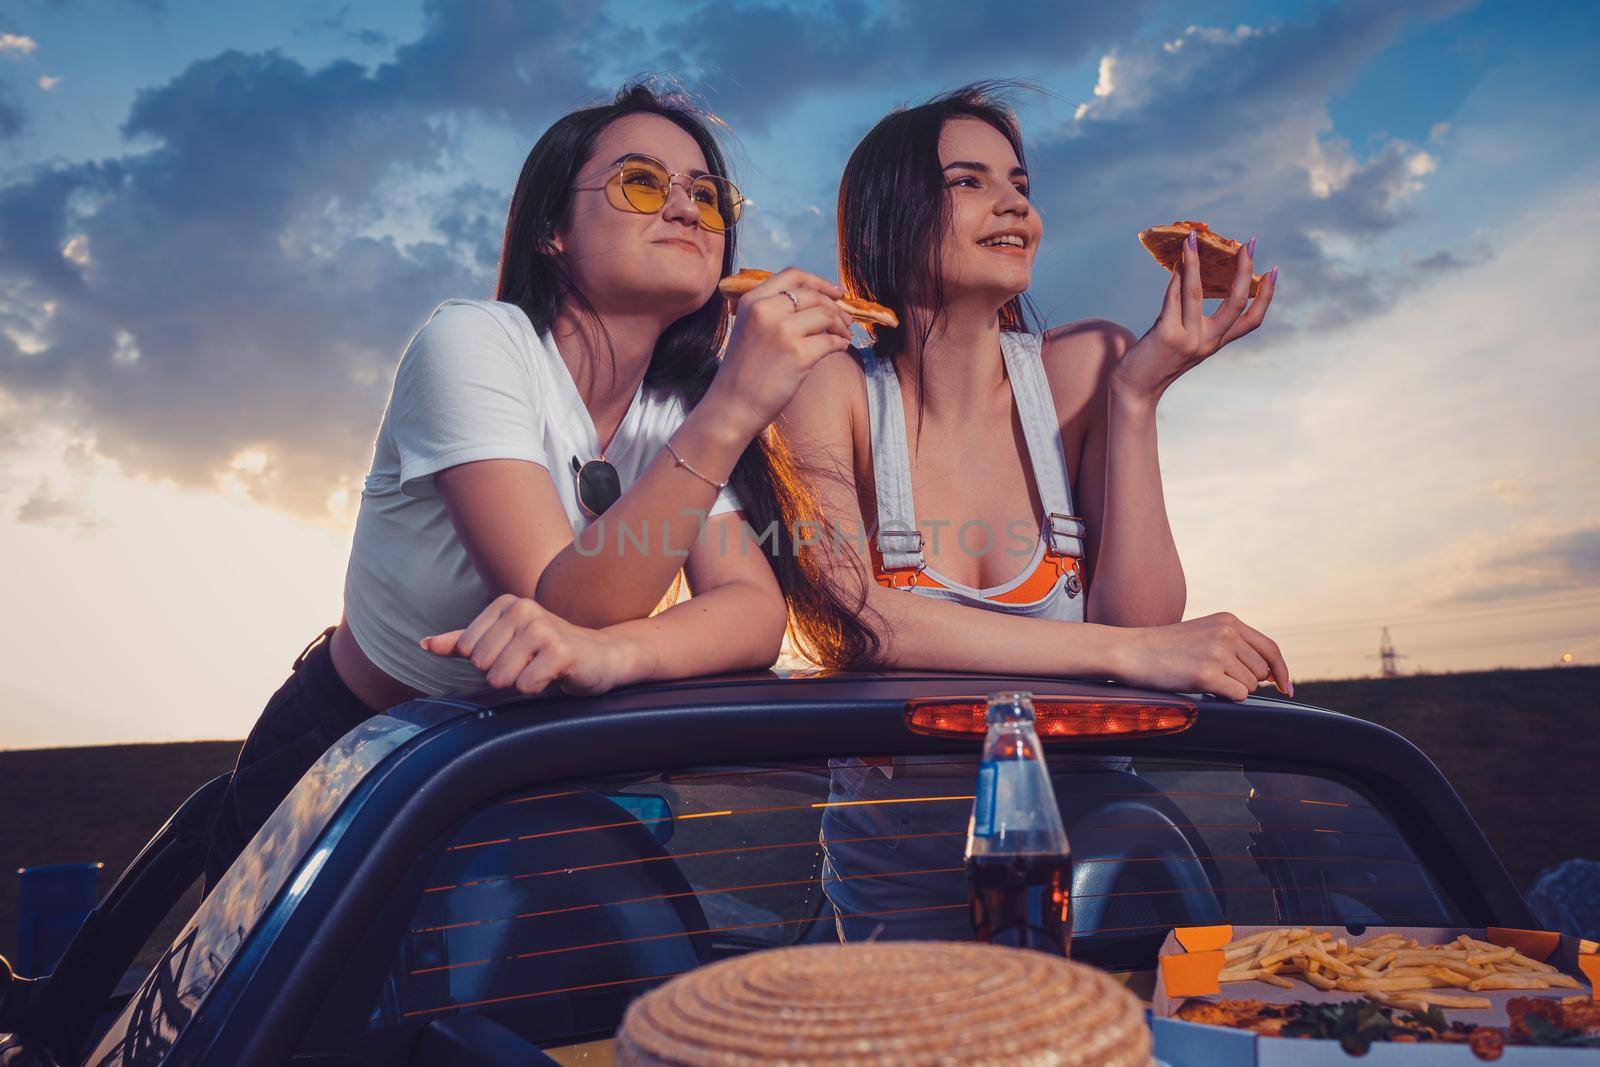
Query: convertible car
(491,878)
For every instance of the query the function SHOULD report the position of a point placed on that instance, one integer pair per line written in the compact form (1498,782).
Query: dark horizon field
(1518,746)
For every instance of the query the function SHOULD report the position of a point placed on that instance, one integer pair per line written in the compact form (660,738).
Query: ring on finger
(792,298)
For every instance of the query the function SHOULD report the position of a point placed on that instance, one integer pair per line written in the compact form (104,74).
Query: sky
(221,222)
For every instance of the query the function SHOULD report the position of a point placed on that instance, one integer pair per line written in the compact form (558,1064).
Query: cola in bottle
(1019,865)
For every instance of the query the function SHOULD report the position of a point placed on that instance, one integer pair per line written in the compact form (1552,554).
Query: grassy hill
(1519,746)
(69,805)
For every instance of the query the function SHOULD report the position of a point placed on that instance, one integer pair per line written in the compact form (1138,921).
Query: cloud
(1230,125)
(1557,560)
(237,283)
(47,82)
(519,61)
(17,44)
(1446,260)
(1440,454)
(756,59)
(1568,561)
(1227,124)
(337,26)
(471,218)
(241,282)
(803,235)
(46,507)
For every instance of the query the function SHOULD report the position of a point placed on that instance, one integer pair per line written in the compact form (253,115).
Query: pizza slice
(1219,256)
(736,285)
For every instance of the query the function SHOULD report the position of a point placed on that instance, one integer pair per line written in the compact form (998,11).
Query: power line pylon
(1388,658)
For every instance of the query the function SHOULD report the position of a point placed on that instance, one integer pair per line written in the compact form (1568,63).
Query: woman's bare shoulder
(1080,354)
(1087,339)
(837,384)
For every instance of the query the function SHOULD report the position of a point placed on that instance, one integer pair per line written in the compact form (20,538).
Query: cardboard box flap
(1203,938)
(1534,944)
(1589,964)
(1192,974)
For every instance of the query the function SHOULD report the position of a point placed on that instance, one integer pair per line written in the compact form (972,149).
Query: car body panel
(249,971)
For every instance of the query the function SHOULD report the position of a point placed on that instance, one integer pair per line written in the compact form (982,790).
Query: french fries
(1322,982)
(1389,969)
(1383,985)
(1421,1002)
(1508,981)
(1449,1000)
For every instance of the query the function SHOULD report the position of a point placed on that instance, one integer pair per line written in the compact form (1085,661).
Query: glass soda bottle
(1019,865)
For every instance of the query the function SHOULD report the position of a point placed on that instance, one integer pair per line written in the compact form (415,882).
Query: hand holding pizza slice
(736,285)
(1219,256)
(1203,264)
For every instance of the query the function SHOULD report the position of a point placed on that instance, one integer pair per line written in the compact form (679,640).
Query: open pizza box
(1192,958)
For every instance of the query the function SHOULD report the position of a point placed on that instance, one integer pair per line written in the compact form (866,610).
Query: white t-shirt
(476,382)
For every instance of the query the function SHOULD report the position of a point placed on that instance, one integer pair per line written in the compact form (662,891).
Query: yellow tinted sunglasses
(643,183)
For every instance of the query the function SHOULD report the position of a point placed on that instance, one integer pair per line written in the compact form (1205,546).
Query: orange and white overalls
(1050,585)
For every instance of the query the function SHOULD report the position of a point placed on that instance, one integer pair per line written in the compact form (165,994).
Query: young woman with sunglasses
(550,460)
(1045,446)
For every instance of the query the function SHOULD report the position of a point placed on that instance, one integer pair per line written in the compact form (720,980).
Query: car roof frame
(481,748)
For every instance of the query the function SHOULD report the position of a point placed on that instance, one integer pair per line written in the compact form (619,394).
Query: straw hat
(904,1002)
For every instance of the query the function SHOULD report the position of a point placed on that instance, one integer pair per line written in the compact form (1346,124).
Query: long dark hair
(893,212)
(771,491)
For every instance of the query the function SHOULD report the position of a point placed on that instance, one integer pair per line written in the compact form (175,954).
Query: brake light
(1056,718)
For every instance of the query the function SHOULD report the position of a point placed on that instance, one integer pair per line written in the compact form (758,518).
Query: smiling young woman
(550,460)
(1038,541)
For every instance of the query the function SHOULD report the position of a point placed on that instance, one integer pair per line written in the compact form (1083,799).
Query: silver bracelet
(680,461)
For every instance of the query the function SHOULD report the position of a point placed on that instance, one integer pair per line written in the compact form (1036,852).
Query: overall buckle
(1071,568)
(1063,525)
(900,577)
(881,534)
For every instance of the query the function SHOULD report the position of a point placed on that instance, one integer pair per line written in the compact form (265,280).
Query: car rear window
(551,908)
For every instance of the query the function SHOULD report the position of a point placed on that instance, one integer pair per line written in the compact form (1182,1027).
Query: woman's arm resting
(502,508)
(733,621)
(511,522)
(622,563)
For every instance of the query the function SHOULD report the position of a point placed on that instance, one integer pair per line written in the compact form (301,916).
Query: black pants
(308,713)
